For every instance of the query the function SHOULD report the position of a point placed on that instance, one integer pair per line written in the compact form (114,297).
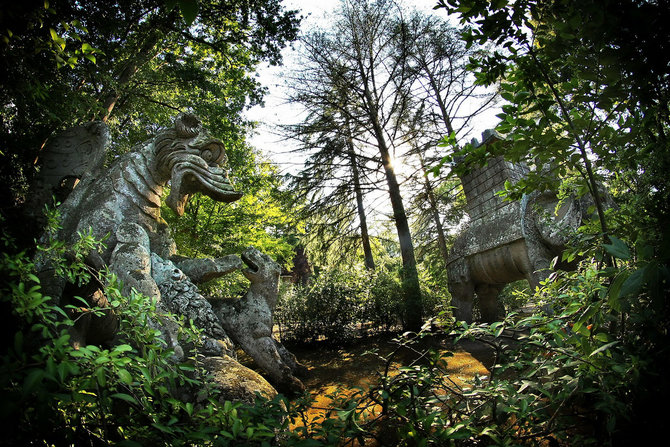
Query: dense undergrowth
(122,394)
(584,374)
(340,306)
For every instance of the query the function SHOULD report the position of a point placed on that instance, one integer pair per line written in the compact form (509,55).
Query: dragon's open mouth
(187,180)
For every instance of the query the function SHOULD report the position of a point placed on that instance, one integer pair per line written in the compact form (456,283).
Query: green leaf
(497,328)
(123,348)
(32,380)
(100,375)
(614,291)
(102,359)
(125,376)
(603,348)
(617,248)
(633,283)
(601,336)
(57,39)
(189,10)
(163,428)
(63,369)
(124,396)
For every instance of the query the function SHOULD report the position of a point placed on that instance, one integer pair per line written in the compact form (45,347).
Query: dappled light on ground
(336,373)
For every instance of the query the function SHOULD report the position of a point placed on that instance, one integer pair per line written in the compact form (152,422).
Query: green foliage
(585,103)
(339,305)
(262,218)
(570,374)
(135,64)
(125,393)
(583,374)
(328,307)
(384,307)
(450,201)
(585,98)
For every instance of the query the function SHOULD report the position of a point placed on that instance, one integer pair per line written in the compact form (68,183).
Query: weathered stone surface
(122,204)
(480,186)
(63,162)
(131,189)
(237,382)
(180,296)
(505,241)
(249,322)
(131,259)
(201,270)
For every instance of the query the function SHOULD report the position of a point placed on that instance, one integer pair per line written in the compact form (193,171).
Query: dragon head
(192,161)
(261,268)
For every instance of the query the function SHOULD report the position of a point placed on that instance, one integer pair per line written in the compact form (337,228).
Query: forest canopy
(134,65)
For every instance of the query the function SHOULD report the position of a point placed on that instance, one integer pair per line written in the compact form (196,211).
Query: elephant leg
(488,301)
(462,295)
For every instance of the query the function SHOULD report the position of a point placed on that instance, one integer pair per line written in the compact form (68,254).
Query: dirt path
(352,366)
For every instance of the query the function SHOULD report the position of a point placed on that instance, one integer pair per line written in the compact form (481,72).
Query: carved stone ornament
(62,163)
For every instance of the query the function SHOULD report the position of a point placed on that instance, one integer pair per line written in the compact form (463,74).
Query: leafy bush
(384,307)
(586,374)
(337,305)
(54,394)
(330,306)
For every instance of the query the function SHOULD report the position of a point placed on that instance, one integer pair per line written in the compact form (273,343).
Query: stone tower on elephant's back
(481,184)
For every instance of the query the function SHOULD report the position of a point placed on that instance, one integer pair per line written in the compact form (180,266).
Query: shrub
(585,374)
(338,305)
(330,306)
(385,302)
(125,393)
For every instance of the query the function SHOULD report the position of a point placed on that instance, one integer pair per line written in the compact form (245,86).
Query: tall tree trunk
(432,202)
(438,97)
(147,52)
(410,276)
(365,237)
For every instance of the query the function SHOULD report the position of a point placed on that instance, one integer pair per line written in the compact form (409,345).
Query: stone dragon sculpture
(249,321)
(122,205)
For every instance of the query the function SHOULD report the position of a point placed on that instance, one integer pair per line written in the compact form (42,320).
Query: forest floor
(354,366)
(342,371)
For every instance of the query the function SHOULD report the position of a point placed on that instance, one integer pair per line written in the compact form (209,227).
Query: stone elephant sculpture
(506,241)
(515,244)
